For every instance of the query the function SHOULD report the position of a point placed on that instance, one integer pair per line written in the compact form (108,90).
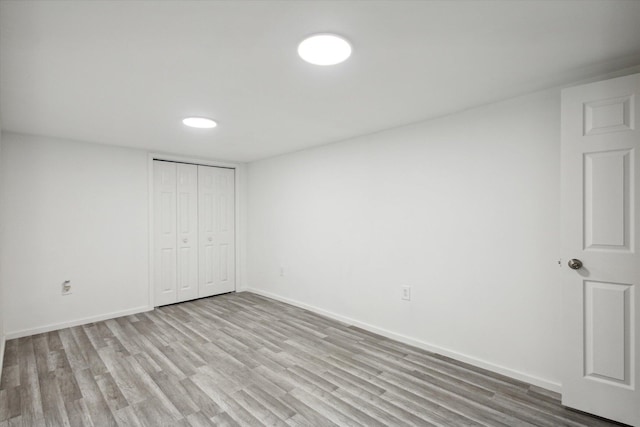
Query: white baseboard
(531,379)
(77,322)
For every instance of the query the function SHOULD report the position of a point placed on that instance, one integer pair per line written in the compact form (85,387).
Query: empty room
(319,213)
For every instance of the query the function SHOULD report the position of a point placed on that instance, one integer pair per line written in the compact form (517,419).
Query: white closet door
(187,233)
(216,215)
(165,232)
(600,234)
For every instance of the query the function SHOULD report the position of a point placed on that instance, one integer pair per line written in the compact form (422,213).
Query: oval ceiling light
(324,49)
(199,122)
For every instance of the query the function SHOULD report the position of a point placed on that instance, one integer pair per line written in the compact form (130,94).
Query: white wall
(71,211)
(241,226)
(2,311)
(464,209)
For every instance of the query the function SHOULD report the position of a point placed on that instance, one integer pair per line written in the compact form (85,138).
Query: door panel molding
(609,115)
(609,342)
(608,200)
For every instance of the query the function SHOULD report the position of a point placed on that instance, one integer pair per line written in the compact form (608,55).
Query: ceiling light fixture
(324,49)
(199,122)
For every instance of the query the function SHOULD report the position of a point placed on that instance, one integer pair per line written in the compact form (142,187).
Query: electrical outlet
(406,293)
(281,271)
(66,287)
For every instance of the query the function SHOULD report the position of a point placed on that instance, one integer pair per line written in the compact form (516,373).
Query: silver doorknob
(575,264)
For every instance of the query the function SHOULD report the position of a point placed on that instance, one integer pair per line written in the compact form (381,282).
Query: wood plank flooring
(245,360)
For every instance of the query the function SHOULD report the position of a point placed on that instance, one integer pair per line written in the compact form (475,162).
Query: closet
(194,231)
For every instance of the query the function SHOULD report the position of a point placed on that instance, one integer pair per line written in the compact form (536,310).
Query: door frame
(239,194)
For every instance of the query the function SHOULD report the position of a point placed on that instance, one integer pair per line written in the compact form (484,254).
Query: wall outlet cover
(406,293)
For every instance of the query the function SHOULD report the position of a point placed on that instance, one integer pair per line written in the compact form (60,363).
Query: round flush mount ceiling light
(199,122)
(324,49)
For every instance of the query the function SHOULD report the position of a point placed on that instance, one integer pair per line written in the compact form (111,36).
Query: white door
(165,277)
(601,228)
(216,230)
(187,232)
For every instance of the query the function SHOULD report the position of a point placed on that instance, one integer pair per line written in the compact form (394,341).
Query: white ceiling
(126,73)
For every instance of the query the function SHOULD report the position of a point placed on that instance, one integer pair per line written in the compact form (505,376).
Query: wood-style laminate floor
(241,359)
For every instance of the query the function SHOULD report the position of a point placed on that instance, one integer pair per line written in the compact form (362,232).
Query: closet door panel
(165,257)
(226,277)
(187,234)
(206,220)
(217,230)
